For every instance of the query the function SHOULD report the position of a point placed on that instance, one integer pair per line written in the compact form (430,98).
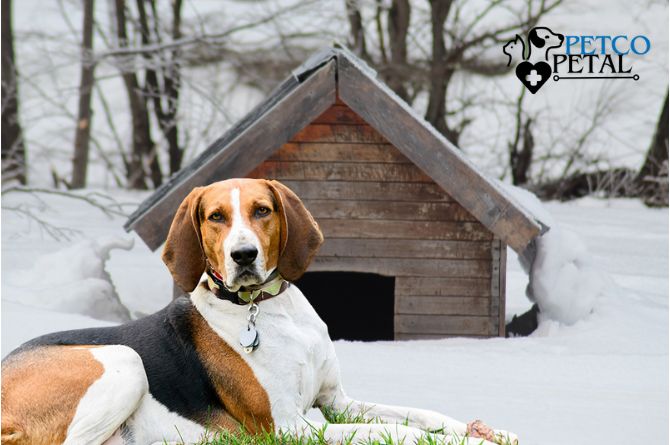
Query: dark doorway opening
(355,306)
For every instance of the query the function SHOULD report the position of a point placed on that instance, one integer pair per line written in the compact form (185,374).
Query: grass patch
(317,434)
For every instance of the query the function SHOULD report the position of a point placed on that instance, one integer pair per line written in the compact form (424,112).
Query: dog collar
(270,288)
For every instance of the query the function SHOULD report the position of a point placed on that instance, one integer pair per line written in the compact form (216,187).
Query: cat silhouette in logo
(515,48)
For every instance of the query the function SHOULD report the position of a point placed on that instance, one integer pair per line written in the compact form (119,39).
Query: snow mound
(25,322)
(564,279)
(72,280)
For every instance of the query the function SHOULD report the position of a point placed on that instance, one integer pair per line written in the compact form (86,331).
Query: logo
(547,55)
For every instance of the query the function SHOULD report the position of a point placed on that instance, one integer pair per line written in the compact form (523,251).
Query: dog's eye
(216,216)
(261,212)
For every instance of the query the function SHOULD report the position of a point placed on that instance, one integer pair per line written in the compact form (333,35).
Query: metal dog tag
(249,339)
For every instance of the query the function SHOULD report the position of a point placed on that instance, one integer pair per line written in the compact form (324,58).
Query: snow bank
(72,280)
(564,279)
(21,323)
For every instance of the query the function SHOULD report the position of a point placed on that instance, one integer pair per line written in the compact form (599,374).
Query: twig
(114,208)
(57,233)
(211,39)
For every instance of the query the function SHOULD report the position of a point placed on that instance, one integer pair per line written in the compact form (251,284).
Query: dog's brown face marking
(37,410)
(242,203)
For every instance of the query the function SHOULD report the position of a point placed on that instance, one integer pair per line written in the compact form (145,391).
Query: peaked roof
(310,90)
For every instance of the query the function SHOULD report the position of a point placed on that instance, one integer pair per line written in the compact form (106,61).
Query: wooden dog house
(391,195)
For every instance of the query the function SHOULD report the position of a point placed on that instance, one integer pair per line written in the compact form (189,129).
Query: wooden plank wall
(381,214)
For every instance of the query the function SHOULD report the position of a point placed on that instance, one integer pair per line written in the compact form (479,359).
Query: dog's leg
(111,399)
(421,419)
(367,432)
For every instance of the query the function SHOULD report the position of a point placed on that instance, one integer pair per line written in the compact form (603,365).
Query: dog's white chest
(293,353)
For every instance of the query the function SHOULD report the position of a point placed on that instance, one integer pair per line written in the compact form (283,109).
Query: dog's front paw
(479,429)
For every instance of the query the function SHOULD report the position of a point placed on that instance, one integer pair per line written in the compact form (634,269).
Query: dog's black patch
(177,378)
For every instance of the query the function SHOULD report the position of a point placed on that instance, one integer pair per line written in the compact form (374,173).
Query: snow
(600,380)
(73,279)
(564,280)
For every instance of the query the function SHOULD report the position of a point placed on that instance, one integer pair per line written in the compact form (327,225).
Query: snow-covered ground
(603,380)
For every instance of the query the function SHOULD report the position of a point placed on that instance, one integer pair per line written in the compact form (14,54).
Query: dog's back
(173,368)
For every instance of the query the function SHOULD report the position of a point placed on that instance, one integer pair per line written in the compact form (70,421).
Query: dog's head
(245,229)
(543,37)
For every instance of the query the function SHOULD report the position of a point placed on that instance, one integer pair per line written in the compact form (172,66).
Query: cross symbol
(533,78)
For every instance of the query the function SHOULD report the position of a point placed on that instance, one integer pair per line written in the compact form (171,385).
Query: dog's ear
(183,252)
(300,236)
(534,39)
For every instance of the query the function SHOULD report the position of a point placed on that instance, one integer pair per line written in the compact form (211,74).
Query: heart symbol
(533,76)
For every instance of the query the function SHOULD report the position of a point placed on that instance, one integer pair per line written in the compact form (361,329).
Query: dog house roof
(311,89)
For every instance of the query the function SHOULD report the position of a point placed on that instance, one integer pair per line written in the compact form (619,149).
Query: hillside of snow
(602,380)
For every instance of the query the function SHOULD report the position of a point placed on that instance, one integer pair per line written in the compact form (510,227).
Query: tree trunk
(521,164)
(398,27)
(172,80)
(145,93)
(13,147)
(357,30)
(520,159)
(83,131)
(166,115)
(440,74)
(142,142)
(653,176)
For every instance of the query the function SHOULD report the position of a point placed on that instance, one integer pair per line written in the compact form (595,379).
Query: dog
(545,39)
(245,350)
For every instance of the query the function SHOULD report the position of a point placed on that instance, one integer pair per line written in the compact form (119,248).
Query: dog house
(415,237)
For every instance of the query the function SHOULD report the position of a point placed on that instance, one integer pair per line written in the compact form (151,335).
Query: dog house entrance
(355,306)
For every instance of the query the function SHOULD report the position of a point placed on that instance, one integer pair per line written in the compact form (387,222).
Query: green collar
(275,286)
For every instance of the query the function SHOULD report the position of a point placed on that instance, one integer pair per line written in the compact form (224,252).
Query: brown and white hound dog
(183,372)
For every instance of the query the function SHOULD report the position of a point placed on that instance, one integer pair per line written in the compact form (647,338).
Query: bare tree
(522,145)
(357,28)
(398,27)
(83,130)
(163,77)
(142,145)
(13,147)
(653,176)
(440,74)
(466,51)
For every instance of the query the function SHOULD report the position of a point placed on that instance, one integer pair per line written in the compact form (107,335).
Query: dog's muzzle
(245,269)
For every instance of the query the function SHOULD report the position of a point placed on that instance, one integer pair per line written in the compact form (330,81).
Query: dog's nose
(244,255)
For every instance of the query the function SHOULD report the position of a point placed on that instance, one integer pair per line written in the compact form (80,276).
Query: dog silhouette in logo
(543,38)
(533,70)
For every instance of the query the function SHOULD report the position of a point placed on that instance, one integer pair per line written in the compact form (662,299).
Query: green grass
(316,437)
